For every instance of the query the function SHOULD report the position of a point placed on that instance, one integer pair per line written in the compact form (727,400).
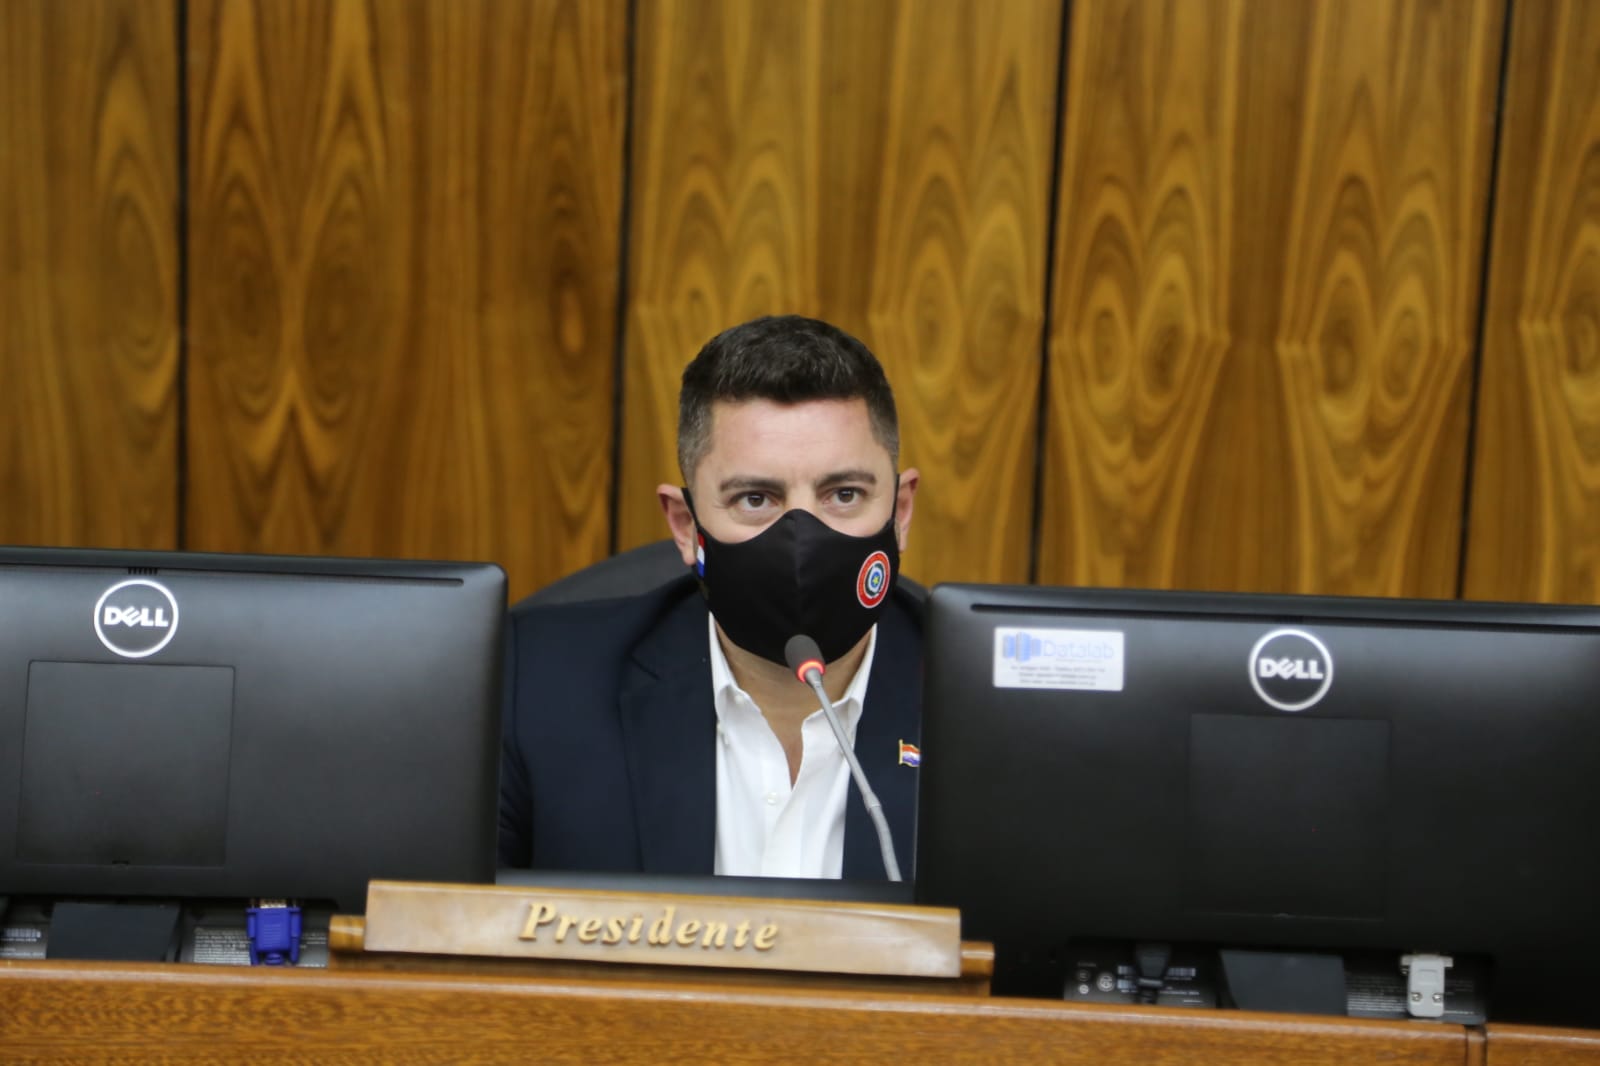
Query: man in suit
(664,733)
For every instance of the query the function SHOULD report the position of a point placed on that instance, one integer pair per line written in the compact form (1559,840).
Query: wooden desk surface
(105,1012)
(1522,1045)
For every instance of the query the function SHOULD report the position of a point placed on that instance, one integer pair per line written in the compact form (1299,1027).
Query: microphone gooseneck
(805,659)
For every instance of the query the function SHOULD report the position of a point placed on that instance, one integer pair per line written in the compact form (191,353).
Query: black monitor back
(1415,775)
(198,726)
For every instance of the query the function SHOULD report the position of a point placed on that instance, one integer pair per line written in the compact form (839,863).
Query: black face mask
(799,575)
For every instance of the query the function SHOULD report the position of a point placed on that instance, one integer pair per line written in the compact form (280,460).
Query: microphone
(805,659)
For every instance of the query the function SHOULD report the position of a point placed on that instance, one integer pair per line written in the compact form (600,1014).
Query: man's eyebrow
(746,483)
(832,479)
(846,477)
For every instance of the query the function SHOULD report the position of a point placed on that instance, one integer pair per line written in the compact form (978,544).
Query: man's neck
(783,699)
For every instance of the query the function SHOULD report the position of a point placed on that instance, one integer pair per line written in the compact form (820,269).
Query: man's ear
(905,496)
(679,521)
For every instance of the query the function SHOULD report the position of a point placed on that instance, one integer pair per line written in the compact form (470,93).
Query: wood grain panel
(884,166)
(111,1012)
(1525,1045)
(403,278)
(88,273)
(1266,291)
(1535,516)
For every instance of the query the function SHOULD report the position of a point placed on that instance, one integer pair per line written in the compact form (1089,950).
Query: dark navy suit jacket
(609,744)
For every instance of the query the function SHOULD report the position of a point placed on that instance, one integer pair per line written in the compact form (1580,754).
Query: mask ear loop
(894,508)
(688,501)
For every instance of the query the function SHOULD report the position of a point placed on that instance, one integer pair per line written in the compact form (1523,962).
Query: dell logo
(1299,669)
(1290,669)
(136,618)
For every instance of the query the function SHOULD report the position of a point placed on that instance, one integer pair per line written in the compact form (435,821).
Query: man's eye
(847,495)
(752,500)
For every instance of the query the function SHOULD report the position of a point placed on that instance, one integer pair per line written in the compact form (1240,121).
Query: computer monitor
(1266,771)
(225,726)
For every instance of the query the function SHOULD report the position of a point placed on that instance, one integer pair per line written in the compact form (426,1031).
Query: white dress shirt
(765,826)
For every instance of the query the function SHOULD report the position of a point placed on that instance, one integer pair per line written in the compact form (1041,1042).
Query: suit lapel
(892,713)
(669,739)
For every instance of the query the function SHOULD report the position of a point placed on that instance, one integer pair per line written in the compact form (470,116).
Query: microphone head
(803,656)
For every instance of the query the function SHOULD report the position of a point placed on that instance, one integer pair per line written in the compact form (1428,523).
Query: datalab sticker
(1068,659)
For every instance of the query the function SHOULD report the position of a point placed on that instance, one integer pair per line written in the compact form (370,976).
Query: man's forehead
(805,442)
(816,423)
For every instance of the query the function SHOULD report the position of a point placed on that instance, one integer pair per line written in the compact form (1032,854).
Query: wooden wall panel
(1535,516)
(1266,292)
(403,277)
(884,166)
(88,273)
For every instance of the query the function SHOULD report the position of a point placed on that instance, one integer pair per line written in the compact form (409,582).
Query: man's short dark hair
(786,359)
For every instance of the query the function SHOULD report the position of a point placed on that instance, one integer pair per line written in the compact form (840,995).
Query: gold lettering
(538,914)
(661,928)
(664,931)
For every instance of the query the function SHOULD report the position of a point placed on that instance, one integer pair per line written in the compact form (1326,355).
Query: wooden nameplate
(587,931)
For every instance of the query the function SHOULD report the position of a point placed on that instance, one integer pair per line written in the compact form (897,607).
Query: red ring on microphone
(809,664)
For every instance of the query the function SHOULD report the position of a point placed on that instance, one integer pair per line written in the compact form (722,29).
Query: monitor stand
(1287,981)
(125,932)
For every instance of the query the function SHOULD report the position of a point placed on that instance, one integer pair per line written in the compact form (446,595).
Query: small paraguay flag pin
(910,754)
